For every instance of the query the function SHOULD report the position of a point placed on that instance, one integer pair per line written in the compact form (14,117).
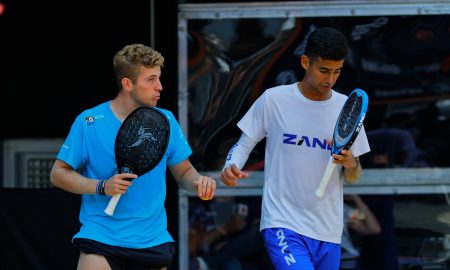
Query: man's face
(147,88)
(322,74)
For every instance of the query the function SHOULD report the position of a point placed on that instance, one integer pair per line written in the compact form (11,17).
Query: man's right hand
(119,183)
(231,174)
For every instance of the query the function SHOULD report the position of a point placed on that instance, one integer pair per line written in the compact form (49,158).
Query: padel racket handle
(112,204)
(325,178)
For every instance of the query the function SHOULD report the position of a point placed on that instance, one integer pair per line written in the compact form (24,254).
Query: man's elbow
(54,177)
(57,174)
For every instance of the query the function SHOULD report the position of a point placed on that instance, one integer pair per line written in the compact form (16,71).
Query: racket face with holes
(141,141)
(348,125)
(350,120)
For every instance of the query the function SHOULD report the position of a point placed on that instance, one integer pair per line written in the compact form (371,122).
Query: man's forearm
(351,175)
(188,177)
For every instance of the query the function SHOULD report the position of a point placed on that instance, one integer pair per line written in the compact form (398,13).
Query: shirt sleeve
(179,148)
(253,124)
(71,151)
(361,145)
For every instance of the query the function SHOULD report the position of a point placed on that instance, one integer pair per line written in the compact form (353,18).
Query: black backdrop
(55,61)
(56,58)
(36,227)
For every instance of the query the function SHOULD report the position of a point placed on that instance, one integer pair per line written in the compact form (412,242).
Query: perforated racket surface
(348,125)
(140,144)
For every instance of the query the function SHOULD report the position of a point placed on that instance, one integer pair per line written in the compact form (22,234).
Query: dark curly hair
(326,43)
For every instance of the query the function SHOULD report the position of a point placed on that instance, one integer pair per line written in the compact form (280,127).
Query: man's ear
(304,61)
(127,84)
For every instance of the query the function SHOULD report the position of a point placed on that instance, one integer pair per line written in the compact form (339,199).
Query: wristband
(103,187)
(100,188)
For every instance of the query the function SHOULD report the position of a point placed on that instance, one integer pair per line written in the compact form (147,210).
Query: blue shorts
(290,250)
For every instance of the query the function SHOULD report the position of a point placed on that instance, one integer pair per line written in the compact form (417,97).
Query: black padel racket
(348,125)
(140,144)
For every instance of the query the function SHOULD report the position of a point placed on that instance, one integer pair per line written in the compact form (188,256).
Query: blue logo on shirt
(231,152)
(308,141)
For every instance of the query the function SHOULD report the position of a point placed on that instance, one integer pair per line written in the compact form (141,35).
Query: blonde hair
(130,58)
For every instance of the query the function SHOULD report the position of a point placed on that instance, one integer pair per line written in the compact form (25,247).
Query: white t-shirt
(296,155)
